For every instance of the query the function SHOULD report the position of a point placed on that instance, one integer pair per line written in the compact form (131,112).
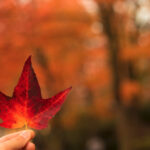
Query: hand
(18,141)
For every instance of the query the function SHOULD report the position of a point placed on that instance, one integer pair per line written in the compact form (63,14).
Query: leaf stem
(26,126)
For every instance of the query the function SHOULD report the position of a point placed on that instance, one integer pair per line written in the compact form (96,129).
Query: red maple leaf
(26,107)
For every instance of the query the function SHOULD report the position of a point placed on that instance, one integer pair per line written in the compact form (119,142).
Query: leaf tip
(28,61)
(29,58)
(68,90)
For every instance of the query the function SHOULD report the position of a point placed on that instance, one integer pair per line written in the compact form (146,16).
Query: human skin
(18,141)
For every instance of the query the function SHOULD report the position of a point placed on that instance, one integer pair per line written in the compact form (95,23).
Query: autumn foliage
(100,47)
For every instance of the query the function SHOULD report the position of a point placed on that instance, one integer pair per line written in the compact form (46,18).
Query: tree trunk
(124,129)
(124,119)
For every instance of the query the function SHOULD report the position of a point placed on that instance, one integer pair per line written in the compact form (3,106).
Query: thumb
(19,141)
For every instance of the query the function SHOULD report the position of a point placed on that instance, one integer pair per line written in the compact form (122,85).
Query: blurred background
(102,49)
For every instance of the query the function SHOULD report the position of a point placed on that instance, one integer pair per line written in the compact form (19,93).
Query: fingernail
(25,134)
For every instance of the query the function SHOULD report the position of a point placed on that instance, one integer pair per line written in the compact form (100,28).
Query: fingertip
(28,134)
(32,133)
(30,146)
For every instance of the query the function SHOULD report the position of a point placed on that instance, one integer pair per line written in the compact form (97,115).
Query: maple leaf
(26,107)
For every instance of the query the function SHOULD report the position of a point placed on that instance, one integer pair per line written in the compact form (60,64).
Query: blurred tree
(122,32)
